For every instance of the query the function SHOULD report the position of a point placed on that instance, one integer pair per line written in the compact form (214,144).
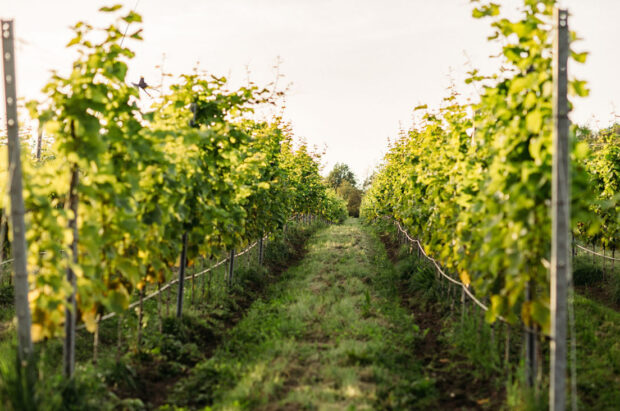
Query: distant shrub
(586,274)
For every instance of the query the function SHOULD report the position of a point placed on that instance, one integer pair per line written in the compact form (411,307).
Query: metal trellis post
(560,261)
(181,277)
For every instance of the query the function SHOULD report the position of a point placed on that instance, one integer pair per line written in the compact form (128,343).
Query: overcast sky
(357,67)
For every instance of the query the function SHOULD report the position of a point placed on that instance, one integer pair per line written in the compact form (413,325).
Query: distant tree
(340,174)
(352,195)
(367,182)
(343,180)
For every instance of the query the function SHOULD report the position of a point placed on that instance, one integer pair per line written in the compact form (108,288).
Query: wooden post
(492,340)
(181,277)
(260,251)
(560,215)
(462,306)
(39,141)
(453,288)
(96,339)
(119,337)
(71,309)
(231,269)
(22,306)
(168,298)
(3,230)
(507,349)
(204,278)
(140,318)
(159,304)
(193,283)
(209,284)
(530,345)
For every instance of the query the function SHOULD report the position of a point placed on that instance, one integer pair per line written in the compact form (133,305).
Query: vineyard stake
(168,297)
(140,317)
(231,271)
(507,349)
(3,229)
(119,337)
(39,142)
(22,306)
(209,284)
(193,283)
(71,309)
(530,345)
(204,278)
(181,276)
(159,304)
(96,339)
(454,291)
(492,338)
(560,216)
(462,307)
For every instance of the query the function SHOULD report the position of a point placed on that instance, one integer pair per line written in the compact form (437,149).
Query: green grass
(598,355)
(132,377)
(335,331)
(331,335)
(597,336)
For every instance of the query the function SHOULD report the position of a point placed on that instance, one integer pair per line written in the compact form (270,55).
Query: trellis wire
(439,270)
(176,280)
(171,283)
(595,253)
(467,292)
(10,260)
(458,283)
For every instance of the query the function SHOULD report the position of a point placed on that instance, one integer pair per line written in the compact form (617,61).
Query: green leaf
(110,9)
(579,57)
(491,9)
(519,84)
(75,40)
(133,17)
(578,88)
(533,121)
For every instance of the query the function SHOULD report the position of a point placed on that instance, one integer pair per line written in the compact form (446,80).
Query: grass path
(329,336)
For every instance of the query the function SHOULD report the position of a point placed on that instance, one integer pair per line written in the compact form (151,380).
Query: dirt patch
(391,246)
(449,369)
(297,373)
(154,386)
(601,293)
(457,389)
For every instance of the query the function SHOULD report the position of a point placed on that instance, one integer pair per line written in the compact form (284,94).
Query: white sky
(357,67)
